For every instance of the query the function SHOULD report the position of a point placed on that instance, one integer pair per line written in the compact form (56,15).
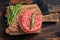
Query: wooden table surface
(49,30)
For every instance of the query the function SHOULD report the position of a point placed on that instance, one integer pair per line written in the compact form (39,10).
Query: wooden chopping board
(47,18)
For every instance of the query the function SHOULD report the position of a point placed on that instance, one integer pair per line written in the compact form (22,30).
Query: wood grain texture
(54,7)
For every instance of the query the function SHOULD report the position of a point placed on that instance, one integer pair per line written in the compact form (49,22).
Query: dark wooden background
(49,29)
